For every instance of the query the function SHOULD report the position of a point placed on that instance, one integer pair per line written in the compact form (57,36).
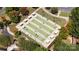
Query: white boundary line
(24,24)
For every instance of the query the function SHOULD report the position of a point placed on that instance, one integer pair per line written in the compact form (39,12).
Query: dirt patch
(13,28)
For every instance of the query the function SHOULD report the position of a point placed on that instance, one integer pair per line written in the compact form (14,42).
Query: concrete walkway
(11,47)
(59,11)
(66,18)
(8,29)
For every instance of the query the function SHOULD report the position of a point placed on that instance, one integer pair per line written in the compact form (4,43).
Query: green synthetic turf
(59,21)
(29,31)
(45,21)
(34,34)
(38,29)
(42,26)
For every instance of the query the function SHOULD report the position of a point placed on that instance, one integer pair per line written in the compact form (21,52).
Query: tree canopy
(5,40)
(1,25)
(71,29)
(54,10)
(24,11)
(75,19)
(18,33)
(16,19)
(16,13)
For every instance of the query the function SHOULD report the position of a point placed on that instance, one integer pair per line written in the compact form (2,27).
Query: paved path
(11,47)
(59,11)
(66,18)
(8,29)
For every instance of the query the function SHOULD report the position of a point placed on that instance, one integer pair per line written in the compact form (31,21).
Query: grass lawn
(66,14)
(1,46)
(26,45)
(5,41)
(59,21)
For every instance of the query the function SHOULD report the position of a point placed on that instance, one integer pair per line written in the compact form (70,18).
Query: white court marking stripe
(34,31)
(36,39)
(41,28)
(32,36)
(49,21)
(44,24)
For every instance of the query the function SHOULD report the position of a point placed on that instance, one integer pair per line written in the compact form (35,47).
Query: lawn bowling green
(41,29)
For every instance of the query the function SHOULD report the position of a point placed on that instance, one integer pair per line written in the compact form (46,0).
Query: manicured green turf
(46,21)
(66,14)
(42,26)
(34,34)
(29,31)
(59,21)
(38,29)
